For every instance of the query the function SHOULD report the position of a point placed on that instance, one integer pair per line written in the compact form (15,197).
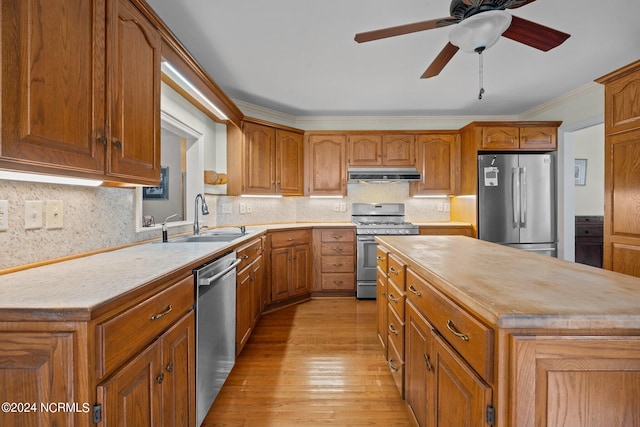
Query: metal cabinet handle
(160,378)
(427,360)
(169,367)
(117,144)
(163,313)
(393,298)
(338,282)
(414,291)
(336,249)
(291,239)
(393,329)
(456,332)
(392,366)
(103,140)
(379,258)
(393,270)
(245,256)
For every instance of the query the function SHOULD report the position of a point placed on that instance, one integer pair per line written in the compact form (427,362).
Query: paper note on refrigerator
(490,176)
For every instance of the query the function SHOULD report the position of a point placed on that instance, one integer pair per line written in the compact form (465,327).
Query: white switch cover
(54,215)
(249,208)
(32,214)
(4,215)
(243,208)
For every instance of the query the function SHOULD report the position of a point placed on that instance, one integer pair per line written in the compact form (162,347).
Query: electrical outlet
(447,207)
(343,207)
(440,207)
(32,214)
(54,214)
(4,215)
(249,208)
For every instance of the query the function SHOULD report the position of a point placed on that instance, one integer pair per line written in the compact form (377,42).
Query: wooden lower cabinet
(290,265)
(334,262)
(249,291)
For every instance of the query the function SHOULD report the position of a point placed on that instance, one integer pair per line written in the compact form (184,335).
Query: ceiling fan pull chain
(480,74)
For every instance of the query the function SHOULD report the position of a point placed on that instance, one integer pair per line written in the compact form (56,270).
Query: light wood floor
(313,364)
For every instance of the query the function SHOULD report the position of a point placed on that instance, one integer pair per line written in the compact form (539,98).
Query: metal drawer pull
(393,329)
(395,368)
(379,258)
(162,314)
(160,378)
(414,291)
(393,270)
(245,256)
(392,298)
(291,239)
(427,359)
(169,367)
(456,332)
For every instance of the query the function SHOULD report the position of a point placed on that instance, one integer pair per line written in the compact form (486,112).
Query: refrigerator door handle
(515,196)
(523,197)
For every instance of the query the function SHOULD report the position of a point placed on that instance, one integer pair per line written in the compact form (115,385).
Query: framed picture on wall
(161,191)
(580,171)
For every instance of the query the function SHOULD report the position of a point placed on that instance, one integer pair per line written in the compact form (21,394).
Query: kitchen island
(498,336)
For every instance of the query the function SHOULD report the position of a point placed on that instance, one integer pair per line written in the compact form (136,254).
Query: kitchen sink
(208,237)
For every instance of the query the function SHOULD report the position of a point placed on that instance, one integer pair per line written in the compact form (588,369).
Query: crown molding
(588,89)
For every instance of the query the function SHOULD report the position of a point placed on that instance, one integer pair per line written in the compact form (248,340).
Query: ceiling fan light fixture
(480,31)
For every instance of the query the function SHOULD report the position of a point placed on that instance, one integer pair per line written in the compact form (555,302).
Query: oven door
(366,259)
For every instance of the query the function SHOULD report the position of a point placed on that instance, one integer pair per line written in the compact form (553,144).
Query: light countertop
(512,288)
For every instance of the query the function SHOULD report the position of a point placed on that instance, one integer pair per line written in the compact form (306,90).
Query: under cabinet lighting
(48,179)
(184,83)
(432,196)
(263,196)
(326,197)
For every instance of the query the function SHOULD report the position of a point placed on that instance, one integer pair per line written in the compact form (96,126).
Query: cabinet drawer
(396,271)
(591,230)
(338,264)
(396,298)
(337,236)
(472,339)
(381,258)
(396,366)
(248,253)
(337,249)
(283,239)
(122,336)
(338,282)
(395,332)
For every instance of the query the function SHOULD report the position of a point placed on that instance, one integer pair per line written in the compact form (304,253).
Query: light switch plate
(55,217)
(32,214)
(4,215)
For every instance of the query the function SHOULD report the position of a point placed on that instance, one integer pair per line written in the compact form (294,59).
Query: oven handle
(208,280)
(366,238)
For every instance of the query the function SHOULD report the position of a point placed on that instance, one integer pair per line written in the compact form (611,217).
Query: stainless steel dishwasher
(215,328)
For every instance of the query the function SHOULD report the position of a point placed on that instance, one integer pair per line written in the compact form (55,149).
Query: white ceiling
(299,56)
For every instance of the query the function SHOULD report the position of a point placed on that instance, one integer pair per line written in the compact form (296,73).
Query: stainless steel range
(375,219)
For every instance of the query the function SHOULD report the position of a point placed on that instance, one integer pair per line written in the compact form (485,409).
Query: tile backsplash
(103,217)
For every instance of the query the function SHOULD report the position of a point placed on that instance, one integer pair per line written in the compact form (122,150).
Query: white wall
(589,144)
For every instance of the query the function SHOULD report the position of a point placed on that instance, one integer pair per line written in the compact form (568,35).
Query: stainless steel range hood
(382,175)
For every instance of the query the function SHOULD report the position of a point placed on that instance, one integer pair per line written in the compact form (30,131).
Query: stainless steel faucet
(205,211)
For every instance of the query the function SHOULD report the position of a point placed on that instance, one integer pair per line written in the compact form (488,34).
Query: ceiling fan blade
(534,35)
(404,29)
(514,4)
(441,61)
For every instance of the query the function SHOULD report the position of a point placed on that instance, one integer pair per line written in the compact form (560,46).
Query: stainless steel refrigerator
(517,201)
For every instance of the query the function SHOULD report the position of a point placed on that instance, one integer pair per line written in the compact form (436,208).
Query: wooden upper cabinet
(438,161)
(365,150)
(80,90)
(398,150)
(289,163)
(259,152)
(53,87)
(134,52)
(621,170)
(381,149)
(273,160)
(327,171)
(518,138)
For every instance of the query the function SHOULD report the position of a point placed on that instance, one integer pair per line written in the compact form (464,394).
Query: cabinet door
(280,273)
(257,285)
(289,163)
(365,150)
(53,85)
(178,388)
(538,138)
(381,309)
(419,370)
(259,146)
(500,138)
(38,368)
(327,165)
(301,270)
(132,396)
(134,53)
(398,150)
(243,307)
(438,162)
(461,397)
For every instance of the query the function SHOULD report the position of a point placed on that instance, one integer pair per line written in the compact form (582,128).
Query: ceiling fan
(479,25)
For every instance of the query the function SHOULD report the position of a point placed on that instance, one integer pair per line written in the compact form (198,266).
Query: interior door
(498,215)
